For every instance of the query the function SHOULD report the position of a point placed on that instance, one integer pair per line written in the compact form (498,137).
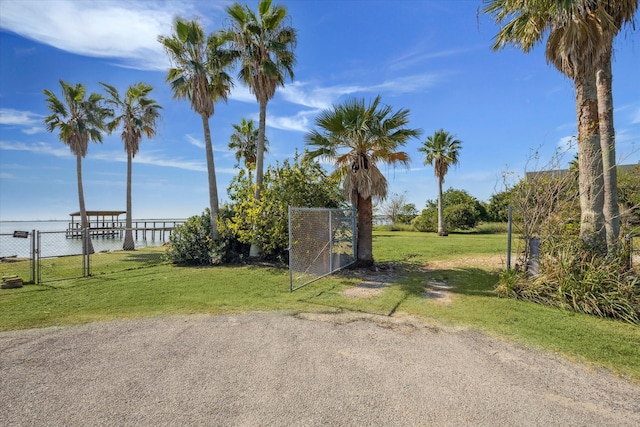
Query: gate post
(34,256)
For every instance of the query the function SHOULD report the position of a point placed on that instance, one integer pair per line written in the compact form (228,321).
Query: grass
(167,290)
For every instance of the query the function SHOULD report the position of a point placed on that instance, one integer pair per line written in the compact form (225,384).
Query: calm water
(55,243)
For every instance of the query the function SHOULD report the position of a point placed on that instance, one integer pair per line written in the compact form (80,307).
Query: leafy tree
(199,75)
(264,44)
(461,211)
(245,143)
(498,208)
(407,213)
(78,120)
(441,150)
(356,138)
(303,183)
(138,114)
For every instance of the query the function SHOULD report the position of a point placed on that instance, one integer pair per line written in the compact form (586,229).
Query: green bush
(461,217)
(427,221)
(303,183)
(190,243)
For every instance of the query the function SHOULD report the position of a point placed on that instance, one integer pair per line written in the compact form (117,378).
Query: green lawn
(166,289)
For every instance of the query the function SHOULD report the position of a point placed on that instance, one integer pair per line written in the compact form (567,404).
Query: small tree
(393,208)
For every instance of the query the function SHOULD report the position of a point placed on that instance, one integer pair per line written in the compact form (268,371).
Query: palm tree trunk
(608,147)
(255,250)
(129,244)
(442,227)
(365,232)
(591,181)
(83,211)
(211,172)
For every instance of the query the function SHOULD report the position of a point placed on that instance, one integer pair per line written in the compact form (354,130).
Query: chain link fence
(321,242)
(46,256)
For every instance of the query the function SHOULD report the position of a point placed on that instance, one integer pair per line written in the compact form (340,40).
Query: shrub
(302,183)
(190,243)
(461,217)
(571,277)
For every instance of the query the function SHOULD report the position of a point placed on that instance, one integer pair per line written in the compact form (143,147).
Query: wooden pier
(109,225)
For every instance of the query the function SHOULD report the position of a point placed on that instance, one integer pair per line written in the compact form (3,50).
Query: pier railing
(143,229)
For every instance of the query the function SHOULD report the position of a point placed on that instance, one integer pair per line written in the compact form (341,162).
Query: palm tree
(356,138)
(245,142)
(264,45)
(580,40)
(199,75)
(138,114)
(79,120)
(441,150)
(621,13)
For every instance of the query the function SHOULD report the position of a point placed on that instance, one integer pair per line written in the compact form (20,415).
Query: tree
(138,114)
(264,45)
(441,150)
(245,142)
(199,75)
(580,42)
(356,138)
(394,207)
(79,120)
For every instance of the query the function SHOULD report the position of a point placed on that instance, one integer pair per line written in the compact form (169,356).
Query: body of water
(54,241)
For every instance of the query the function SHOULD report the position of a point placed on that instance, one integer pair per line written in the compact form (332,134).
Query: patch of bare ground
(372,281)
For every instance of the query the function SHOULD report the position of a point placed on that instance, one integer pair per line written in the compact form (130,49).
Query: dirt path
(292,370)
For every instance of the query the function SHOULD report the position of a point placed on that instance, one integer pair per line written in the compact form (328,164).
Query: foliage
(573,278)
(498,207)
(461,212)
(190,243)
(302,183)
(198,73)
(358,138)
(629,193)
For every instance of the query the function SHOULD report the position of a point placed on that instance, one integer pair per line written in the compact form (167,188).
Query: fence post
(290,258)
(34,259)
(509,222)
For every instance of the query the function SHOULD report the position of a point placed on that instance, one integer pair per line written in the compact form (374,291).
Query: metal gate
(321,241)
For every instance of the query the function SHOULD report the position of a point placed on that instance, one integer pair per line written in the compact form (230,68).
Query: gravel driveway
(283,369)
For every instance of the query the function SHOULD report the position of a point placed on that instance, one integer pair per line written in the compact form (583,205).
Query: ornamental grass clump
(572,278)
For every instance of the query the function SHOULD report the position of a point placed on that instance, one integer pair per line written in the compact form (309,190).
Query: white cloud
(38,147)
(299,122)
(26,119)
(194,141)
(126,30)
(414,57)
(635,116)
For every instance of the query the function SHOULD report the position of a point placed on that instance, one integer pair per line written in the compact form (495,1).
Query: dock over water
(109,225)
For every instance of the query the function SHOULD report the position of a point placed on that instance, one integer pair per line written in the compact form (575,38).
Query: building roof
(100,213)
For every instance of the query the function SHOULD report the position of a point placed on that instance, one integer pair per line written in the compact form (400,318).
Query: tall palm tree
(199,75)
(621,13)
(264,44)
(78,120)
(580,40)
(138,114)
(441,150)
(245,143)
(356,138)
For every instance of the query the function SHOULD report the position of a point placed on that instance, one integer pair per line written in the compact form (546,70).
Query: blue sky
(431,57)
